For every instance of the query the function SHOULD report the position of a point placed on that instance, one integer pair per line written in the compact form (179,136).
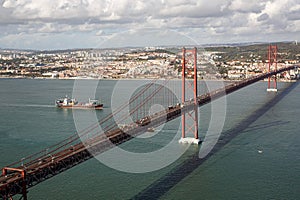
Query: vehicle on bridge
(144,121)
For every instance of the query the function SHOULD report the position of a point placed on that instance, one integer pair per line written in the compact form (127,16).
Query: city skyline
(47,25)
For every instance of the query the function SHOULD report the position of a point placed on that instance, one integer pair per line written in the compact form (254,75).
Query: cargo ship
(73,103)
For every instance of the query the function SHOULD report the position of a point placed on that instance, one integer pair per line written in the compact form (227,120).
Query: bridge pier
(192,85)
(272,90)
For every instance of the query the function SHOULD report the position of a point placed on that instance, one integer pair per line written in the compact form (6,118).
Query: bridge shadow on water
(164,184)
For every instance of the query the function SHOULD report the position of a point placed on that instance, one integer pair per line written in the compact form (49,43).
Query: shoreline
(128,79)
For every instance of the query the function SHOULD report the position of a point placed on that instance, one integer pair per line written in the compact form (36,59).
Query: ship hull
(97,107)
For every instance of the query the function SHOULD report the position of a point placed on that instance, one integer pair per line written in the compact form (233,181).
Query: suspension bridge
(19,176)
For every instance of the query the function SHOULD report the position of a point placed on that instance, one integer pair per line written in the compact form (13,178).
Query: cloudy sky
(61,24)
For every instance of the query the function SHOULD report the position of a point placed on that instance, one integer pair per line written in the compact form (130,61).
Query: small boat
(151,129)
(73,103)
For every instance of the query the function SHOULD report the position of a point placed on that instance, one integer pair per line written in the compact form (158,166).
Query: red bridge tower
(272,56)
(189,69)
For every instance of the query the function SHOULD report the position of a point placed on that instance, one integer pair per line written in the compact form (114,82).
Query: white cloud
(222,19)
(195,9)
(247,6)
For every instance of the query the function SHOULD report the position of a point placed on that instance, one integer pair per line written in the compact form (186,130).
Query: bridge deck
(12,182)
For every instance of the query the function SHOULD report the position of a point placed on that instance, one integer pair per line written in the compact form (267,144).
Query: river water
(257,156)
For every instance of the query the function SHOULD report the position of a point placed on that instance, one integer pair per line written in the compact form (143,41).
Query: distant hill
(286,51)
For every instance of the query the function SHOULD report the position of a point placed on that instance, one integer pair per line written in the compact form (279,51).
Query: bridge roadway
(14,182)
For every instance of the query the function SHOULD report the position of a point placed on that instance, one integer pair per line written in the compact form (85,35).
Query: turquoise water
(257,158)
